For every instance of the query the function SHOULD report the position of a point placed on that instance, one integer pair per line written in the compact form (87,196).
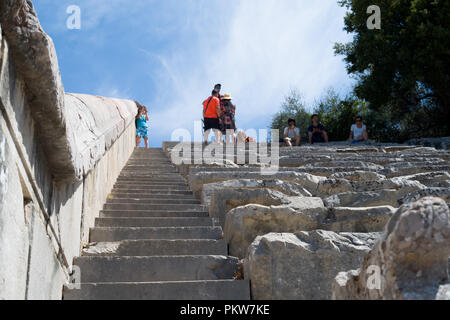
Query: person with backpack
(211,117)
(228,110)
(141,126)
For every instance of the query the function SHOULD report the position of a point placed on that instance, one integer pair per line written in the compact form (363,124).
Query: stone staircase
(154,240)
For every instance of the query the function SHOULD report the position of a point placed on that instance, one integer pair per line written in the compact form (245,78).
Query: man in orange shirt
(211,113)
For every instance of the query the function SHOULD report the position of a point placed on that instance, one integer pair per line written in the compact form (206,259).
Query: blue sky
(168,54)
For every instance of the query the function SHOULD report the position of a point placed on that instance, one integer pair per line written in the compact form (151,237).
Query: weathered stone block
(302,266)
(243,224)
(408,262)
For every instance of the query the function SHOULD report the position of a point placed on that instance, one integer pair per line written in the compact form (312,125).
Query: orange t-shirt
(210,110)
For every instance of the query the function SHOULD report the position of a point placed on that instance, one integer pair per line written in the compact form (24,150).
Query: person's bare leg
(218,136)
(365,136)
(230,134)
(325,137)
(288,142)
(206,135)
(138,141)
(146,143)
(297,141)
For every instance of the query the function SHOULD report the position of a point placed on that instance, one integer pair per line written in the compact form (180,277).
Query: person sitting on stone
(292,133)
(358,131)
(317,132)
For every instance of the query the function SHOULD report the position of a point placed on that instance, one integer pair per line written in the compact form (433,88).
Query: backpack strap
(206,108)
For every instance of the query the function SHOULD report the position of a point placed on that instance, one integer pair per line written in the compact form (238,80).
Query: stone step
(153,190)
(137,248)
(154,222)
(150,161)
(106,234)
(122,185)
(144,176)
(155,268)
(177,290)
(149,173)
(150,193)
(167,206)
(149,168)
(153,181)
(150,181)
(165,200)
(152,214)
(160,171)
(114,195)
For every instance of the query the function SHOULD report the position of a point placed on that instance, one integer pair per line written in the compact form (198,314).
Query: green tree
(404,67)
(293,107)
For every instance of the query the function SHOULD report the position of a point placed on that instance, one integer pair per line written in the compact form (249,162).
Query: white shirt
(357,131)
(291,134)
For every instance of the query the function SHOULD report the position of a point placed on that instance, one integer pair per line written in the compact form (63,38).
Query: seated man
(317,132)
(292,133)
(358,132)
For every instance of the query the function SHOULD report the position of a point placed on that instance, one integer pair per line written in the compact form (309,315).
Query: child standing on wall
(142,126)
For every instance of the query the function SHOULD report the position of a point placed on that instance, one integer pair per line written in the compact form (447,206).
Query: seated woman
(292,133)
(358,132)
(142,126)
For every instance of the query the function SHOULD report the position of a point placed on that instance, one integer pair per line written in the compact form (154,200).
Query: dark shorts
(211,123)
(318,139)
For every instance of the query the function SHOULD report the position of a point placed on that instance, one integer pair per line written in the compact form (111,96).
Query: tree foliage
(293,107)
(404,67)
(338,114)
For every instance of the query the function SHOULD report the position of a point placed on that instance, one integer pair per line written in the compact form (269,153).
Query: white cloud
(258,51)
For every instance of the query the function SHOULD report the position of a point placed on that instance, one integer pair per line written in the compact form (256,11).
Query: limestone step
(149,161)
(150,193)
(122,185)
(142,173)
(166,206)
(153,195)
(135,168)
(156,268)
(162,200)
(177,290)
(150,181)
(154,222)
(149,175)
(105,234)
(157,248)
(152,214)
(153,189)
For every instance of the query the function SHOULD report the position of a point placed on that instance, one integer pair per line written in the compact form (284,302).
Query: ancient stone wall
(60,155)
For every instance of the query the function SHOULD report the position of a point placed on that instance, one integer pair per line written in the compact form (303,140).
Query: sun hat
(227,97)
